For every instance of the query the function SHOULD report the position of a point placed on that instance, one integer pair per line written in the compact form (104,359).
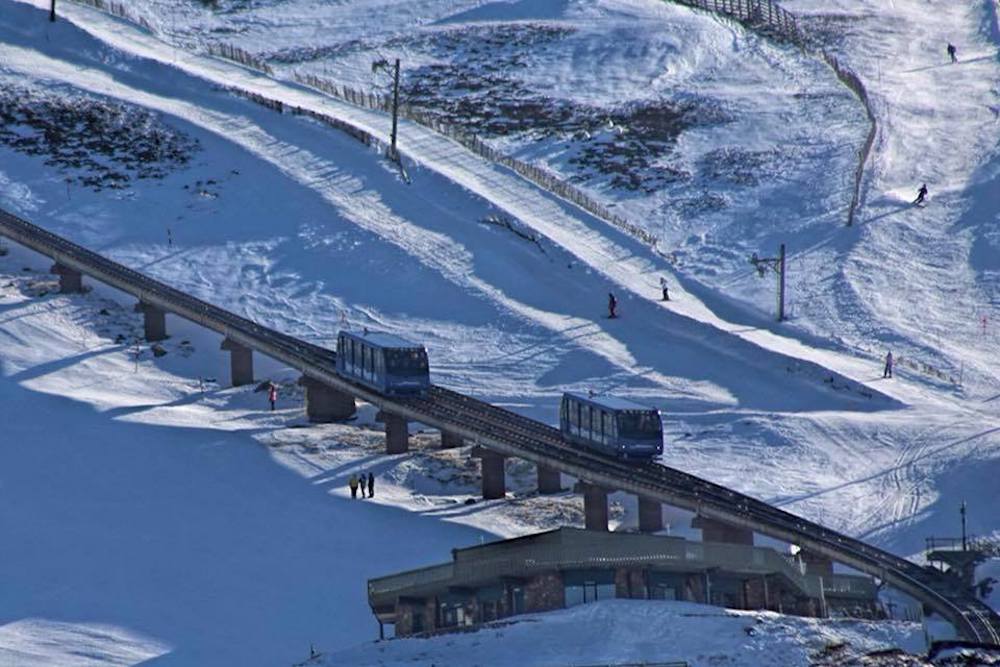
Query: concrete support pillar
(450,440)
(70,280)
(324,404)
(494,479)
(713,530)
(650,515)
(241,362)
(154,322)
(816,564)
(595,506)
(549,480)
(397,434)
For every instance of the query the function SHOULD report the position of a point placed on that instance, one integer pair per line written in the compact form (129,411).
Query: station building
(569,566)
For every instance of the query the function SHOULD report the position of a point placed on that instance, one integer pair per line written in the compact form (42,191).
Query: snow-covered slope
(637,632)
(301,228)
(142,510)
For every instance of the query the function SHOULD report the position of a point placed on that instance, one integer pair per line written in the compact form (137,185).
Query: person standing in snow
(887,373)
(612,306)
(951,52)
(371,485)
(272,395)
(666,291)
(353,483)
(921,194)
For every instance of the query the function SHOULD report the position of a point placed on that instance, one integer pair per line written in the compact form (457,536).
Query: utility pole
(52,12)
(776,264)
(395,109)
(379,64)
(964,543)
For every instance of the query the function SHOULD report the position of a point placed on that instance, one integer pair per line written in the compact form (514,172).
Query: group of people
(613,302)
(358,482)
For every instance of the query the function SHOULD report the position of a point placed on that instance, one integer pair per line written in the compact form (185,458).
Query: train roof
(611,402)
(382,339)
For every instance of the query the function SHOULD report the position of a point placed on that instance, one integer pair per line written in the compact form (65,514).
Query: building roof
(611,402)
(383,339)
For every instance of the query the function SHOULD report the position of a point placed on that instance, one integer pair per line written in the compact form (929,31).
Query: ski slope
(303,229)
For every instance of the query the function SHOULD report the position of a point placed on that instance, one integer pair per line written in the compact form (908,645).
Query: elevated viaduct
(722,514)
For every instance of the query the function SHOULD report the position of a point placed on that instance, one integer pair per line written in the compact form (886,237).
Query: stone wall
(544,593)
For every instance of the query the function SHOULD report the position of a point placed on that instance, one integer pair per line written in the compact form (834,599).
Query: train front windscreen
(407,363)
(639,425)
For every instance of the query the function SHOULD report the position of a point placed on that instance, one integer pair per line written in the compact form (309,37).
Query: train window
(407,362)
(636,424)
(607,431)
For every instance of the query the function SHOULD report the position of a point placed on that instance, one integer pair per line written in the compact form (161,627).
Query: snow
(142,518)
(305,230)
(639,631)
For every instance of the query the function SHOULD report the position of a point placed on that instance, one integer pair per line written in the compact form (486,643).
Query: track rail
(514,435)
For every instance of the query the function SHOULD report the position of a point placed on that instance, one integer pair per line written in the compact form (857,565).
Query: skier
(353,483)
(921,194)
(371,485)
(887,373)
(612,306)
(666,291)
(272,395)
(951,52)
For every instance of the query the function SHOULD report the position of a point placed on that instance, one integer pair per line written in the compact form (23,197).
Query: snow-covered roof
(610,402)
(383,339)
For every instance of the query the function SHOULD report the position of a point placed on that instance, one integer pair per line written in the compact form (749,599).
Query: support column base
(493,473)
(650,515)
(70,280)
(397,434)
(154,322)
(595,506)
(324,404)
(549,480)
(240,362)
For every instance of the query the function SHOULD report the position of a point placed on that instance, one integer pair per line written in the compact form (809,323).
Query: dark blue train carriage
(613,426)
(382,361)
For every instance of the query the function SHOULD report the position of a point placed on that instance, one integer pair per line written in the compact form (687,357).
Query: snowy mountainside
(885,475)
(299,227)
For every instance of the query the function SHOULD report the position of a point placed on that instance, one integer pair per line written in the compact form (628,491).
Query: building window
(515,600)
(584,586)
(589,591)
(417,621)
(452,614)
(662,592)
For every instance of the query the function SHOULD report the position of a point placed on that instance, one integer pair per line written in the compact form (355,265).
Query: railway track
(511,434)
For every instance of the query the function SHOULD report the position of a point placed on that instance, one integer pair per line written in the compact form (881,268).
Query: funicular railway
(505,433)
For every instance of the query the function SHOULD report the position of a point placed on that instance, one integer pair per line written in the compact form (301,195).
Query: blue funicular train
(382,361)
(613,426)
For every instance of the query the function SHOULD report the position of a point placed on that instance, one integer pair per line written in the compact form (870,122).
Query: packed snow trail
(626,263)
(922,279)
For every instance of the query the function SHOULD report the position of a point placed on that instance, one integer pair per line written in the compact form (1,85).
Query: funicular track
(510,434)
